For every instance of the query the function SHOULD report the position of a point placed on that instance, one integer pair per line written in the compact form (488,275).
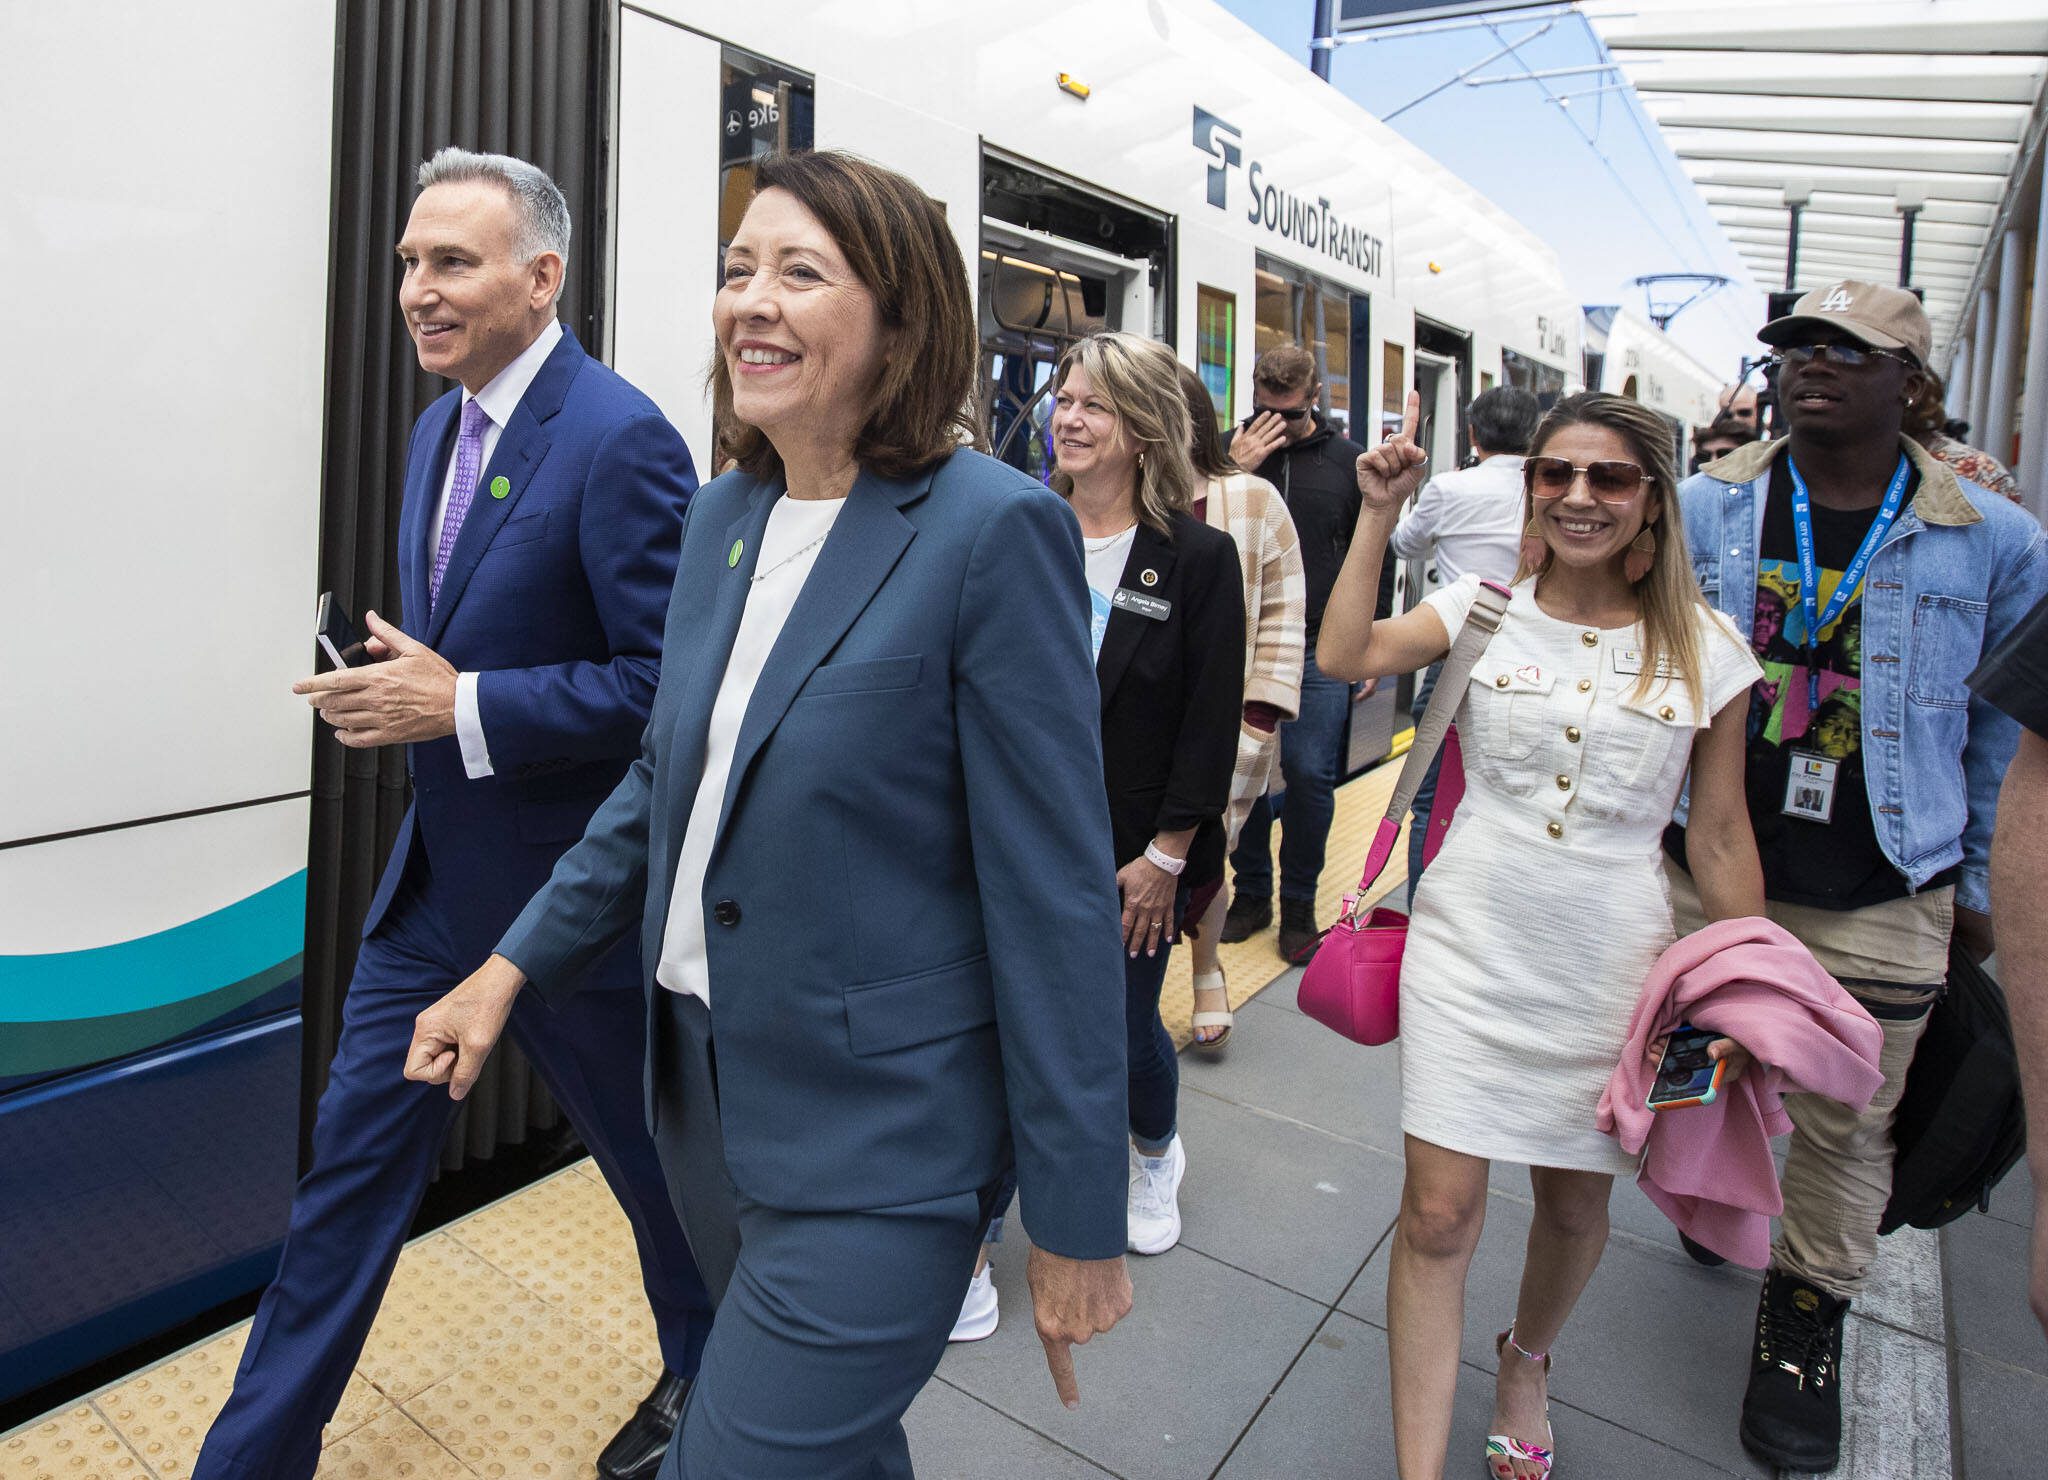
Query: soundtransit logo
(1224,144)
(1307,221)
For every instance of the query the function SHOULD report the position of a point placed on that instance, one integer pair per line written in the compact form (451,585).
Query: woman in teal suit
(866,845)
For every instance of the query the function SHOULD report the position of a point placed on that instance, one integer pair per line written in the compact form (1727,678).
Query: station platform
(515,1341)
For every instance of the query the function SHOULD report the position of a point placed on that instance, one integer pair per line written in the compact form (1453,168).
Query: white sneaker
(978,1310)
(1154,1210)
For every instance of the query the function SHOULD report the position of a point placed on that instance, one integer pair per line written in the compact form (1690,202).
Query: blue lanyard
(1852,578)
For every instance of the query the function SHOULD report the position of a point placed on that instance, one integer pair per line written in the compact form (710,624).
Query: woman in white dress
(1537,925)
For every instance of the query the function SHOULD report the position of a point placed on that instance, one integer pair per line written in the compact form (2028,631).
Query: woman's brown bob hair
(898,244)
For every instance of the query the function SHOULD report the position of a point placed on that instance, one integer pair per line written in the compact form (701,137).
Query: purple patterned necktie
(469,462)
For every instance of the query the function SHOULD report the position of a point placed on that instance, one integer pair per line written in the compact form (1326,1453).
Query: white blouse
(789,548)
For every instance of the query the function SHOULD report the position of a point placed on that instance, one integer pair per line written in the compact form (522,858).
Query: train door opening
(1059,261)
(1444,355)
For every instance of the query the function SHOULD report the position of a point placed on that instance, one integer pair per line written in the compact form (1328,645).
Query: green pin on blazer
(500,486)
(732,556)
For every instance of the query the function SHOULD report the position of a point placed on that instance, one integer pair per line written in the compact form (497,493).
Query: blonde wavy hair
(1668,596)
(1140,380)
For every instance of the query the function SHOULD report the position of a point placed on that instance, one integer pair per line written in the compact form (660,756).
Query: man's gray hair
(543,213)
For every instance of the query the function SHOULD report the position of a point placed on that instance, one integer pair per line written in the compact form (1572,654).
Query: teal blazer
(910,910)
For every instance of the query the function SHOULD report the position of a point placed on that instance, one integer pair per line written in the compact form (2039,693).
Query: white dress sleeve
(1730,665)
(1454,601)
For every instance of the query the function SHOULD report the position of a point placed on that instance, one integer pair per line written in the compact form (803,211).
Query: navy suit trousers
(375,1144)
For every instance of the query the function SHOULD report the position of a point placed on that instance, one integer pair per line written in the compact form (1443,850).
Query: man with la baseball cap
(1870,578)
(1874,316)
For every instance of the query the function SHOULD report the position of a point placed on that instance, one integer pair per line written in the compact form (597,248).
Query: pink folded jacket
(1709,1167)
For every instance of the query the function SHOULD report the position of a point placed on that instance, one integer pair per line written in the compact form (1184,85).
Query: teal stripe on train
(66,1008)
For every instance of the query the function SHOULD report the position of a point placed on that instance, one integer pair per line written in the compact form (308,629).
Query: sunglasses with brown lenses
(1611,482)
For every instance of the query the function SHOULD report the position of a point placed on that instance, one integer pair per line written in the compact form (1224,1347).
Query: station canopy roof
(1867,102)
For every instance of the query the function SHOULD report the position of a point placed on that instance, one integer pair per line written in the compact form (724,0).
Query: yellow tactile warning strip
(78,1444)
(1249,967)
(512,1344)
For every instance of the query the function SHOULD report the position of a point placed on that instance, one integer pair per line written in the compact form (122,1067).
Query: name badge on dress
(1810,788)
(1139,603)
(1629,662)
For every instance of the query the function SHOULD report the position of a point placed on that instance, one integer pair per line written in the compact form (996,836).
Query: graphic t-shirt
(1837,864)
(1106,558)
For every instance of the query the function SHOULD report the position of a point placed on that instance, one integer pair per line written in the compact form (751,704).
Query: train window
(1544,382)
(1296,307)
(764,107)
(1393,387)
(1486,379)
(1216,348)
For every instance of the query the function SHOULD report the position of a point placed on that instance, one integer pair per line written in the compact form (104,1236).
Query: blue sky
(1608,221)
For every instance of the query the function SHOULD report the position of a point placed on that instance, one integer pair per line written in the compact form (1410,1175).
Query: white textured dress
(1539,921)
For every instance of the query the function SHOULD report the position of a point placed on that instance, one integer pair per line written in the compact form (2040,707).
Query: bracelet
(1165,862)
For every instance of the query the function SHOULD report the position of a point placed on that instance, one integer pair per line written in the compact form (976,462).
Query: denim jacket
(1959,569)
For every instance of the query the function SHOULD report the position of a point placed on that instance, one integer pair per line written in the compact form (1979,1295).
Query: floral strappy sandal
(1502,1450)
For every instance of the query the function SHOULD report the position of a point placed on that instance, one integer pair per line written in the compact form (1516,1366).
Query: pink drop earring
(1642,554)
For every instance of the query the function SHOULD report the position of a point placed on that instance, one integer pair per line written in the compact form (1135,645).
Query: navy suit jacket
(554,596)
(910,910)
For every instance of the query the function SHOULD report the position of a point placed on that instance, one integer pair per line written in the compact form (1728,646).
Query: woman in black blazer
(1168,602)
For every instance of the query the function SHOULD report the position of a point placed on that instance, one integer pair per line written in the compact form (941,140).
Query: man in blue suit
(538,541)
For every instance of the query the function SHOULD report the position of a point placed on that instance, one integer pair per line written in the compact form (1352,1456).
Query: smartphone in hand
(1686,1075)
(338,635)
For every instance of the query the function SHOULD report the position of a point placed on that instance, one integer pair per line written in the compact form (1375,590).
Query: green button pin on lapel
(500,486)
(732,556)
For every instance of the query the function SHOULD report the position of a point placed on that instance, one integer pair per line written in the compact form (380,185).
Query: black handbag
(1960,1125)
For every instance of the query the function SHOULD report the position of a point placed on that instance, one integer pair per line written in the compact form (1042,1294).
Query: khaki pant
(1893,958)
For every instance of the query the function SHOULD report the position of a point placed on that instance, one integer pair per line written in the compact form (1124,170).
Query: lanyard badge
(1852,578)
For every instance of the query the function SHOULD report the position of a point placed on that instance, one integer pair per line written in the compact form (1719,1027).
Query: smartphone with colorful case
(1686,1075)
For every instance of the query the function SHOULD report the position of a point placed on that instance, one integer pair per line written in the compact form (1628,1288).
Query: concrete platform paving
(516,1340)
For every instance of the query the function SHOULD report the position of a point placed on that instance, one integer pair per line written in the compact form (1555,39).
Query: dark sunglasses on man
(1609,480)
(1848,356)
(1294,414)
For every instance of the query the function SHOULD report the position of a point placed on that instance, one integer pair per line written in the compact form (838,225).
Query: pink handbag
(1353,983)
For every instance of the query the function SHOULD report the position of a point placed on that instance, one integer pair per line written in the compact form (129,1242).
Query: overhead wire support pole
(1485,61)
(1322,43)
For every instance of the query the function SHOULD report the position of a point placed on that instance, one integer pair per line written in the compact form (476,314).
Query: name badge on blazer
(1142,605)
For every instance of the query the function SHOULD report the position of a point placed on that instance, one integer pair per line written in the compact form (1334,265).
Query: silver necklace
(761,575)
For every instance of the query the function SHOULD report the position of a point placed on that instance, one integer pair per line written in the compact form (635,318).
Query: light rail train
(199,218)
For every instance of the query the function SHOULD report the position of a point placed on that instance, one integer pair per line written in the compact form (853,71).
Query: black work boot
(1247,916)
(1298,934)
(1792,1413)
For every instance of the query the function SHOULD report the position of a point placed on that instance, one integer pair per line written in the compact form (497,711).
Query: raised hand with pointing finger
(1353,642)
(1389,474)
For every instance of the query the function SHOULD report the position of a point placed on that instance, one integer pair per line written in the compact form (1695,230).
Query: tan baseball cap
(1870,313)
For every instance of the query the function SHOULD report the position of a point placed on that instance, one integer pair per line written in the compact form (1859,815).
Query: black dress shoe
(636,1450)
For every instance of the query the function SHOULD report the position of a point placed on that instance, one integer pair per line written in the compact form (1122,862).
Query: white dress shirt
(789,548)
(1473,518)
(500,398)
